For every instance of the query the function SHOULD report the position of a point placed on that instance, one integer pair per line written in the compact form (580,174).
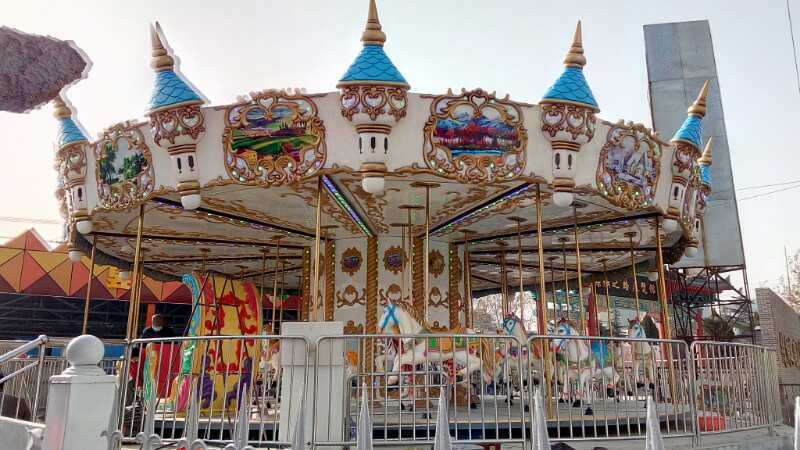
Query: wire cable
(794,46)
(769,193)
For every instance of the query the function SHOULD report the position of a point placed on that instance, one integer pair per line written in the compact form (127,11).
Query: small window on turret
(372,142)
(569,161)
(558,160)
(385,145)
(191,162)
(180,168)
(359,146)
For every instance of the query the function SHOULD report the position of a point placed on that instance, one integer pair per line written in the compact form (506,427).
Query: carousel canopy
(233,188)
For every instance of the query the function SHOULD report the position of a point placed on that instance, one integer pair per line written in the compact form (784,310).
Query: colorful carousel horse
(586,360)
(463,356)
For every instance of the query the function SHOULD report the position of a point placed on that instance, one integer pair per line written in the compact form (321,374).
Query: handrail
(24,348)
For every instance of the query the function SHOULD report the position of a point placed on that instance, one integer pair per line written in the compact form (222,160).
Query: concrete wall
(680,57)
(780,331)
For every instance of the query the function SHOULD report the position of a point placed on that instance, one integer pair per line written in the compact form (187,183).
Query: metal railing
(736,387)
(598,386)
(404,376)
(788,392)
(211,388)
(20,384)
(595,388)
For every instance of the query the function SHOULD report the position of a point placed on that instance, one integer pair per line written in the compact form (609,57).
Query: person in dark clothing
(158,329)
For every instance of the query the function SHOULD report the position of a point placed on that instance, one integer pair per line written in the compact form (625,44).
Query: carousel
(384,210)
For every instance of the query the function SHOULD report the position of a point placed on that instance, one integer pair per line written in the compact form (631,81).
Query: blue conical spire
(691,131)
(571,86)
(68,130)
(170,89)
(705,163)
(372,65)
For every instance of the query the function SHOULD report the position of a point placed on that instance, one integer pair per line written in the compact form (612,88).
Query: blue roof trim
(690,131)
(572,86)
(372,64)
(170,89)
(69,132)
(705,174)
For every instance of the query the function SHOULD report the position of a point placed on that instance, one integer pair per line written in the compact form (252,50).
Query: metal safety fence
(736,387)
(213,389)
(597,387)
(230,390)
(404,377)
(32,368)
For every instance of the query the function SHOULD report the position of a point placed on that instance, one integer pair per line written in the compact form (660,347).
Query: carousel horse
(513,326)
(586,360)
(469,354)
(642,352)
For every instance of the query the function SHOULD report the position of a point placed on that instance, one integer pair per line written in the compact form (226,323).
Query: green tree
(717,328)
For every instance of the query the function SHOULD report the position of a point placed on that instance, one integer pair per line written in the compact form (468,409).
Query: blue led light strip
(345,205)
(481,208)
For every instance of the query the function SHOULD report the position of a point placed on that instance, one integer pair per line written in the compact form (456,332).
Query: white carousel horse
(469,354)
(642,353)
(513,326)
(585,360)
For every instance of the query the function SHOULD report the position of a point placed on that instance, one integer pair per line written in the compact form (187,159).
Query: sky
(232,48)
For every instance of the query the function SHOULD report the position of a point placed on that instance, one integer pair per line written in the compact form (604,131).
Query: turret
(568,120)
(703,190)
(176,120)
(72,145)
(373,97)
(687,142)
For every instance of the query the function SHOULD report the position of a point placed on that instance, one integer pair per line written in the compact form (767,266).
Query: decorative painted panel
(275,138)
(629,166)
(475,137)
(124,167)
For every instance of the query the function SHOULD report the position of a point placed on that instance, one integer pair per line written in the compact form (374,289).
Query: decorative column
(703,191)
(305,285)
(684,165)
(568,120)
(330,278)
(371,321)
(418,294)
(454,276)
(176,120)
(373,97)
(72,145)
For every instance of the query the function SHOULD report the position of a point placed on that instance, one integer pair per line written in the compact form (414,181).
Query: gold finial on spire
(61,110)
(161,59)
(373,35)
(706,157)
(574,56)
(699,106)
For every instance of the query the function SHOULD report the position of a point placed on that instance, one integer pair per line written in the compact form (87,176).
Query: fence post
(80,400)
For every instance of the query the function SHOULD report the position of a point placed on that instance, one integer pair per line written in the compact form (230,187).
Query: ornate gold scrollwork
(123,168)
(392,294)
(475,137)
(575,120)
(435,263)
(350,297)
(373,100)
(351,261)
(629,166)
(274,139)
(393,259)
(168,124)
(436,299)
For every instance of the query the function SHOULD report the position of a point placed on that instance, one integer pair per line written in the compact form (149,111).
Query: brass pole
(89,288)
(261,287)
(275,281)
(608,299)
(467,280)
(542,302)
(403,257)
(566,276)
(503,285)
(317,238)
(129,334)
(426,261)
(519,221)
(630,236)
(138,302)
(282,293)
(662,283)
(410,253)
(581,311)
(553,285)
